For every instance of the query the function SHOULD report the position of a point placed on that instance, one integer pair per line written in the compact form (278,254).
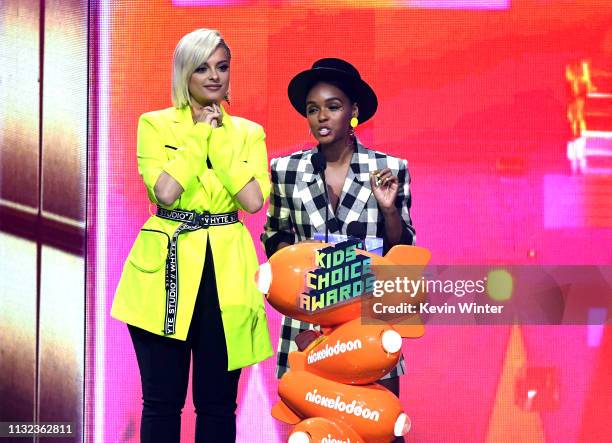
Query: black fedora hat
(340,71)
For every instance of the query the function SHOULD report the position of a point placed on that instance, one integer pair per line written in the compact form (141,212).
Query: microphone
(318,165)
(356,229)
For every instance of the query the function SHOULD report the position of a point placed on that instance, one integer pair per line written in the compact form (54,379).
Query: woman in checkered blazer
(363,185)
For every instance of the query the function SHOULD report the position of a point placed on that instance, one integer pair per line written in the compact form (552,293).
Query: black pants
(164,372)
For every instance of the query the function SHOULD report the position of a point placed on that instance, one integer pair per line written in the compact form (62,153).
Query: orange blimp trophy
(329,391)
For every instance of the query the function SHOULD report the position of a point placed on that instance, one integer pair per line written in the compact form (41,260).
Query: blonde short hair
(190,52)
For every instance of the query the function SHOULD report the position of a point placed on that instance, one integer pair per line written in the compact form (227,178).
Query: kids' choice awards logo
(341,275)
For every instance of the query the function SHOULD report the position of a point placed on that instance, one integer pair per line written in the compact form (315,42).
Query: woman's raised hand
(208,114)
(384,187)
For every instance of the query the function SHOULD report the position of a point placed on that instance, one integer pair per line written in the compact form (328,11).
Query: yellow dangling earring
(354,122)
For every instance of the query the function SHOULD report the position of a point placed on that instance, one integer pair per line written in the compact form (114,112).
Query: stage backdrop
(474,95)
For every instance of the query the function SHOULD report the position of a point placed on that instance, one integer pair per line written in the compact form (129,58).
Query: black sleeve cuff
(407,238)
(271,244)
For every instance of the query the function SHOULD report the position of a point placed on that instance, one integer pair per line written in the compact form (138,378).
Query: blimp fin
(409,331)
(281,411)
(408,255)
(297,361)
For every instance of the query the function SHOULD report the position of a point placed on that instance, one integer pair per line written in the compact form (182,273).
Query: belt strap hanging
(192,221)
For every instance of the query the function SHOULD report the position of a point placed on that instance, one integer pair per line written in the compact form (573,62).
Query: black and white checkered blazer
(297,212)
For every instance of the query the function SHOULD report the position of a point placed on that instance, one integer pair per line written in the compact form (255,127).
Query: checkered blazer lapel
(355,192)
(310,189)
(357,189)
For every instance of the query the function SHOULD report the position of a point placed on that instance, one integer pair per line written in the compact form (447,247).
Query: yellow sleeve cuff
(181,170)
(232,172)
(234,176)
(190,160)
(200,132)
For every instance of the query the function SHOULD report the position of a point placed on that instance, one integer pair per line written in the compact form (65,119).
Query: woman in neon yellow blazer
(188,284)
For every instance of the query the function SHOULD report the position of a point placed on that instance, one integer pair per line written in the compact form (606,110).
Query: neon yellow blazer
(169,141)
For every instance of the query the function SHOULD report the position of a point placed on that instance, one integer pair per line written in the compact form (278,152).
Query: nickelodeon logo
(337,349)
(330,439)
(341,406)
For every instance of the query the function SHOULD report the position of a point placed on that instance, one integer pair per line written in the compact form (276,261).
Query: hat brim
(301,84)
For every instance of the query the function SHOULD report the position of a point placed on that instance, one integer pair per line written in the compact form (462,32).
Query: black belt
(190,221)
